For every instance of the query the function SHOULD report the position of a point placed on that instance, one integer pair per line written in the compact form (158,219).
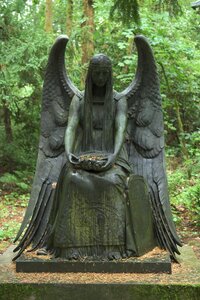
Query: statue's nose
(101,76)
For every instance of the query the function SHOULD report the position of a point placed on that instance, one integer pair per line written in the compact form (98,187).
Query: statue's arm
(120,125)
(120,130)
(73,120)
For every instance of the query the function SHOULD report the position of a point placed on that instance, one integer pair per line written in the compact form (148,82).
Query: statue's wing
(58,91)
(145,141)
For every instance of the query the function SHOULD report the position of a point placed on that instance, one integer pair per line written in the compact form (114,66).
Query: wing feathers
(43,222)
(164,232)
(41,197)
(153,170)
(58,91)
(43,169)
(146,135)
(34,224)
(47,173)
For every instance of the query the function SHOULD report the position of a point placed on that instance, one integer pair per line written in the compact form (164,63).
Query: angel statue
(100,188)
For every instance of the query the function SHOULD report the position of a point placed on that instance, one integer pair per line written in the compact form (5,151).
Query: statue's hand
(73,159)
(110,162)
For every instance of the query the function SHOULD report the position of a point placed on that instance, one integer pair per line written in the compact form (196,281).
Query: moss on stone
(98,291)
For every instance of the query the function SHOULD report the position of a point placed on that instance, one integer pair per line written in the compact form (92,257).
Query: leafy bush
(9,230)
(18,180)
(185,192)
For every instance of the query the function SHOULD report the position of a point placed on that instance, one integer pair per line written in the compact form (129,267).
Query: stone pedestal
(160,263)
(182,284)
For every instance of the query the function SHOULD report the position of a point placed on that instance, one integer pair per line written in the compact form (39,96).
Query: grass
(12,207)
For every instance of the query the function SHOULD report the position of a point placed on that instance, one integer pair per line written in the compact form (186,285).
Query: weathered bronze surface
(100,188)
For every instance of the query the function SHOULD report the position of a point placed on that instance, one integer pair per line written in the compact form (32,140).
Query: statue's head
(100,68)
(99,83)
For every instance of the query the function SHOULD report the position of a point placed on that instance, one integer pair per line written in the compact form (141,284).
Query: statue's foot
(74,255)
(114,255)
(42,251)
(130,253)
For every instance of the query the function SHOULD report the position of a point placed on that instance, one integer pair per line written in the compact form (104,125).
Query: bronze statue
(100,188)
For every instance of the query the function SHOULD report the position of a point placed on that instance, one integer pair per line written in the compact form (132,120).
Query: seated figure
(90,206)
(100,187)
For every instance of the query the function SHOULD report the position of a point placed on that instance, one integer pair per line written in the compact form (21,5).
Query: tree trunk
(7,123)
(87,33)
(69,19)
(48,16)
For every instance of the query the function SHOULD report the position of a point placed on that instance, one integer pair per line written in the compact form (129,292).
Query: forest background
(27,32)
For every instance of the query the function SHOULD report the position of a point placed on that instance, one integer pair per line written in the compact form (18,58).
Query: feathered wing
(58,91)
(145,142)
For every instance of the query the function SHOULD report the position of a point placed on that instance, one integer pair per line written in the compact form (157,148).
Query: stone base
(182,284)
(160,263)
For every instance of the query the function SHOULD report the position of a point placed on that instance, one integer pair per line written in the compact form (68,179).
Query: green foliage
(172,6)
(16,200)
(11,178)
(178,55)
(24,51)
(10,227)
(9,230)
(14,196)
(193,143)
(18,180)
(185,192)
(11,209)
(127,11)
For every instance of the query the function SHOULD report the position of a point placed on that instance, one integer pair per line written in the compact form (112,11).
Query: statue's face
(100,75)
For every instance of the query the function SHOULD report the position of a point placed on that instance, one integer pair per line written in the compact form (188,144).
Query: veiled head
(100,68)
(99,85)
